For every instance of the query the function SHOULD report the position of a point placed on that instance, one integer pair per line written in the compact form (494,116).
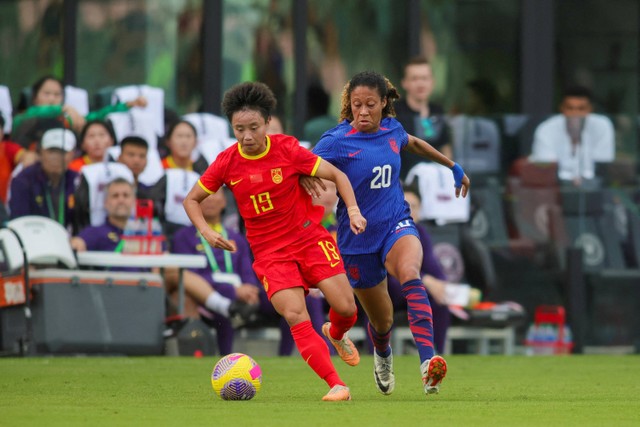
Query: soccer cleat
(433,372)
(345,347)
(383,373)
(337,393)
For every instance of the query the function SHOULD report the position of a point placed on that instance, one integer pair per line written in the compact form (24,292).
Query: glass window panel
(473,40)
(30,43)
(140,42)
(346,37)
(258,46)
(597,47)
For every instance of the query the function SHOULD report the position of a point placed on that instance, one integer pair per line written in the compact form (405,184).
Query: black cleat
(241,313)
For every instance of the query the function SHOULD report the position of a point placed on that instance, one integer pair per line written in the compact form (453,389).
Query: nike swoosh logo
(354,153)
(333,264)
(381,386)
(237,181)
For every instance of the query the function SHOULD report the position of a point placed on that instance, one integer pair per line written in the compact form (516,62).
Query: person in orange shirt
(181,140)
(96,137)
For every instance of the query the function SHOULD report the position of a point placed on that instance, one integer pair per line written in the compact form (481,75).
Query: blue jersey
(372,163)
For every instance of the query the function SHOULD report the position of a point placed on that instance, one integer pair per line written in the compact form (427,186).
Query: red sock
(340,324)
(315,352)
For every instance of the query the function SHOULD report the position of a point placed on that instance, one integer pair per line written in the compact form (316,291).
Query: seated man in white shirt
(575,139)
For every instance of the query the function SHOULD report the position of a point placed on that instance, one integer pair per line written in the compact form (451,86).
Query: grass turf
(490,390)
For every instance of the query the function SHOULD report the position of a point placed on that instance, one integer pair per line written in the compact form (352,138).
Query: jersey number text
(382,177)
(262,202)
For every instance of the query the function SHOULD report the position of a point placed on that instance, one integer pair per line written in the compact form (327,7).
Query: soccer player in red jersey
(293,251)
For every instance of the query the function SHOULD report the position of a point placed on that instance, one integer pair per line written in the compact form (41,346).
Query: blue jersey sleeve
(329,146)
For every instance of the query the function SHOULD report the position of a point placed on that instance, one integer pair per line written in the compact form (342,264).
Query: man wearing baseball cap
(46,188)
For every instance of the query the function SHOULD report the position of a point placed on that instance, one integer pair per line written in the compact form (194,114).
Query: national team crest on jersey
(276,175)
(394,146)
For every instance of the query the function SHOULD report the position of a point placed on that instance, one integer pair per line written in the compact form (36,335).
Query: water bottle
(129,233)
(568,336)
(156,227)
(130,227)
(156,237)
(532,339)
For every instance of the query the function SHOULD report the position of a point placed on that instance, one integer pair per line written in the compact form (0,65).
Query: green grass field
(166,391)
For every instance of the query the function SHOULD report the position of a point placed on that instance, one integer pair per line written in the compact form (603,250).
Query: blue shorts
(367,270)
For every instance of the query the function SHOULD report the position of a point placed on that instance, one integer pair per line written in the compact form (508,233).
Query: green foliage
(164,391)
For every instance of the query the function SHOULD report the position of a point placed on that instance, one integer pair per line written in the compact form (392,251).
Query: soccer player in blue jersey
(366,146)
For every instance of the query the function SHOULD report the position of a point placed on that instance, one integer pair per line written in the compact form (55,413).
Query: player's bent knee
(293,317)
(345,309)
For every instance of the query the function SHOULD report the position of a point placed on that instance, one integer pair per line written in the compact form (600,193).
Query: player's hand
(462,182)
(312,185)
(464,187)
(358,223)
(217,241)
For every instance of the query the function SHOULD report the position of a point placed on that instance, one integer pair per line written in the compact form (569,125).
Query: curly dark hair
(372,80)
(249,96)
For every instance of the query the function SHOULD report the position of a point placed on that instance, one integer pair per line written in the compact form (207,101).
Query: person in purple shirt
(46,188)
(120,201)
(229,273)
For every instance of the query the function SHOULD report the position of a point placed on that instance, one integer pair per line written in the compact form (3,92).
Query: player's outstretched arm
(424,149)
(327,171)
(194,212)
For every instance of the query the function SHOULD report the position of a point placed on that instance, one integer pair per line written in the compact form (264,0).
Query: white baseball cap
(62,139)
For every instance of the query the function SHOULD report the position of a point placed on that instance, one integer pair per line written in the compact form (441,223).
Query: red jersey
(169,163)
(275,208)
(77,163)
(9,152)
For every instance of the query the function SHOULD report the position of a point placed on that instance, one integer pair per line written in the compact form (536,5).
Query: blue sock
(380,341)
(420,317)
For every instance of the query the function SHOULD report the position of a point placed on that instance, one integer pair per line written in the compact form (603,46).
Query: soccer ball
(236,377)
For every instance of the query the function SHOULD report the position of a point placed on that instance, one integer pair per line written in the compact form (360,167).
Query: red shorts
(311,259)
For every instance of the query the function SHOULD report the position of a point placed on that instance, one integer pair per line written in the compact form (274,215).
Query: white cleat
(383,373)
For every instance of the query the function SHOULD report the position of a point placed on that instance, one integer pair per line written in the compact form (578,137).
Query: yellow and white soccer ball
(236,377)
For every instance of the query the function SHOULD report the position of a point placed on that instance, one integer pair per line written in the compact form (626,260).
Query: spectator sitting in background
(418,115)
(133,154)
(318,118)
(96,137)
(181,141)
(11,155)
(120,201)
(181,172)
(575,139)
(47,187)
(228,273)
(47,106)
